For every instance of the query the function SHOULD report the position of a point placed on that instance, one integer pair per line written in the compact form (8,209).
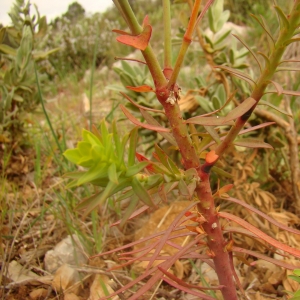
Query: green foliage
(19,50)
(76,37)
(103,154)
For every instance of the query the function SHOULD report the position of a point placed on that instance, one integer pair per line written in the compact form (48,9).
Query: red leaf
(211,157)
(141,158)
(137,41)
(120,32)
(141,89)
(138,123)
(146,21)
(261,234)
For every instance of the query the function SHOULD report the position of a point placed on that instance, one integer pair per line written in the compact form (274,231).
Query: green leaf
(130,209)
(92,202)
(163,158)
(97,171)
(84,148)
(8,50)
(73,155)
(112,173)
(133,170)
(183,188)
(44,55)
(172,167)
(141,192)
(89,137)
(222,20)
(132,146)
(283,20)
(295,278)
(222,37)
(213,133)
(297,272)
(221,172)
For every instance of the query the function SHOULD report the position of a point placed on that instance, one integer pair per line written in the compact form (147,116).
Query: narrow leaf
(290,41)
(138,123)
(266,58)
(250,50)
(260,234)
(140,106)
(261,23)
(92,202)
(284,22)
(263,102)
(209,121)
(136,168)
(221,172)
(141,89)
(263,215)
(291,69)
(238,74)
(278,87)
(141,192)
(133,215)
(121,32)
(264,257)
(252,143)
(241,109)
(137,41)
(134,200)
(213,133)
(150,120)
(132,147)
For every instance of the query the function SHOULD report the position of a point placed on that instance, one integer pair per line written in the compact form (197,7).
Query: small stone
(18,274)
(38,294)
(68,251)
(65,277)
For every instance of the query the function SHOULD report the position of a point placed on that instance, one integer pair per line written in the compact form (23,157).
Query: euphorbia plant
(110,168)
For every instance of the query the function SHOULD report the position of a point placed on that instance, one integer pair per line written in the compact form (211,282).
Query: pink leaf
(137,41)
(279,263)
(278,87)
(263,215)
(133,215)
(138,123)
(261,234)
(237,112)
